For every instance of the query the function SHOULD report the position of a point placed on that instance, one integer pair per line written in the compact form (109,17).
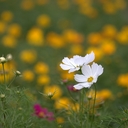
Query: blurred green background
(40,33)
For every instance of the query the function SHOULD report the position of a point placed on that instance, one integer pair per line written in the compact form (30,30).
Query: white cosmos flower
(75,63)
(89,76)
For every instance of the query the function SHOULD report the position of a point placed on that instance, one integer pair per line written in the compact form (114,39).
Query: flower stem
(4,73)
(93,109)
(11,81)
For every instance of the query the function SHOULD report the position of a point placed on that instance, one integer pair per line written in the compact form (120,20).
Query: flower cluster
(90,72)
(43,112)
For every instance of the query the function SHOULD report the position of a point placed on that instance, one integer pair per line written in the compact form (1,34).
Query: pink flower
(43,112)
(71,88)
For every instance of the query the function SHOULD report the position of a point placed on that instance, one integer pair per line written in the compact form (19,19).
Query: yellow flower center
(90,79)
(41,114)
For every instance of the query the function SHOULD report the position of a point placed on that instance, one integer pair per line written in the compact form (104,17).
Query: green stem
(11,81)
(4,72)
(81,103)
(93,109)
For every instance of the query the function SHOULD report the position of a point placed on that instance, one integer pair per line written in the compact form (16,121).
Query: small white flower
(89,76)
(2,60)
(75,63)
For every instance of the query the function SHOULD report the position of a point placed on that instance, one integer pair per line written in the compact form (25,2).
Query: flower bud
(2,60)
(18,73)
(9,57)
(2,96)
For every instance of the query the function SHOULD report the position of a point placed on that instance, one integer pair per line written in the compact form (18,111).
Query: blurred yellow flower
(109,31)
(98,52)
(71,36)
(14,30)
(109,8)
(42,2)
(120,4)
(41,68)
(28,56)
(108,47)
(59,120)
(122,37)
(53,90)
(63,103)
(27,4)
(64,4)
(76,49)
(67,76)
(94,38)
(28,75)
(43,80)
(104,94)
(10,67)
(55,40)
(35,36)
(7,16)
(89,11)
(43,20)
(122,80)
(9,41)
(2,27)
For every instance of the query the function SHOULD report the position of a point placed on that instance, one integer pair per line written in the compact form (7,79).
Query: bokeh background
(40,33)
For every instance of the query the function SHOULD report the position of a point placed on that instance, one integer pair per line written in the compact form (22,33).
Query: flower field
(46,49)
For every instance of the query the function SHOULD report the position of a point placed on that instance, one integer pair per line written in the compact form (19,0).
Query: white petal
(100,70)
(80,78)
(86,70)
(82,85)
(97,70)
(78,86)
(65,67)
(89,58)
(72,70)
(66,61)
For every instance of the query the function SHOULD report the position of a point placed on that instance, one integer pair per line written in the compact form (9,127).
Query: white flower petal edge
(75,63)
(90,76)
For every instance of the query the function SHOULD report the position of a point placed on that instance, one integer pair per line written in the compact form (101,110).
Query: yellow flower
(64,4)
(10,67)
(35,36)
(55,40)
(63,103)
(28,56)
(109,31)
(104,94)
(60,120)
(76,49)
(89,11)
(43,80)
(9,41)
(94,38)
(43,20)
(109,8)
(41,68)
(42,2)
(14,30)
(7,16)
(28,75)
(122,36)
(71,36)
(122,80)
(54,91)
(27,4)
(2,27)
(108,47)
(67,76)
